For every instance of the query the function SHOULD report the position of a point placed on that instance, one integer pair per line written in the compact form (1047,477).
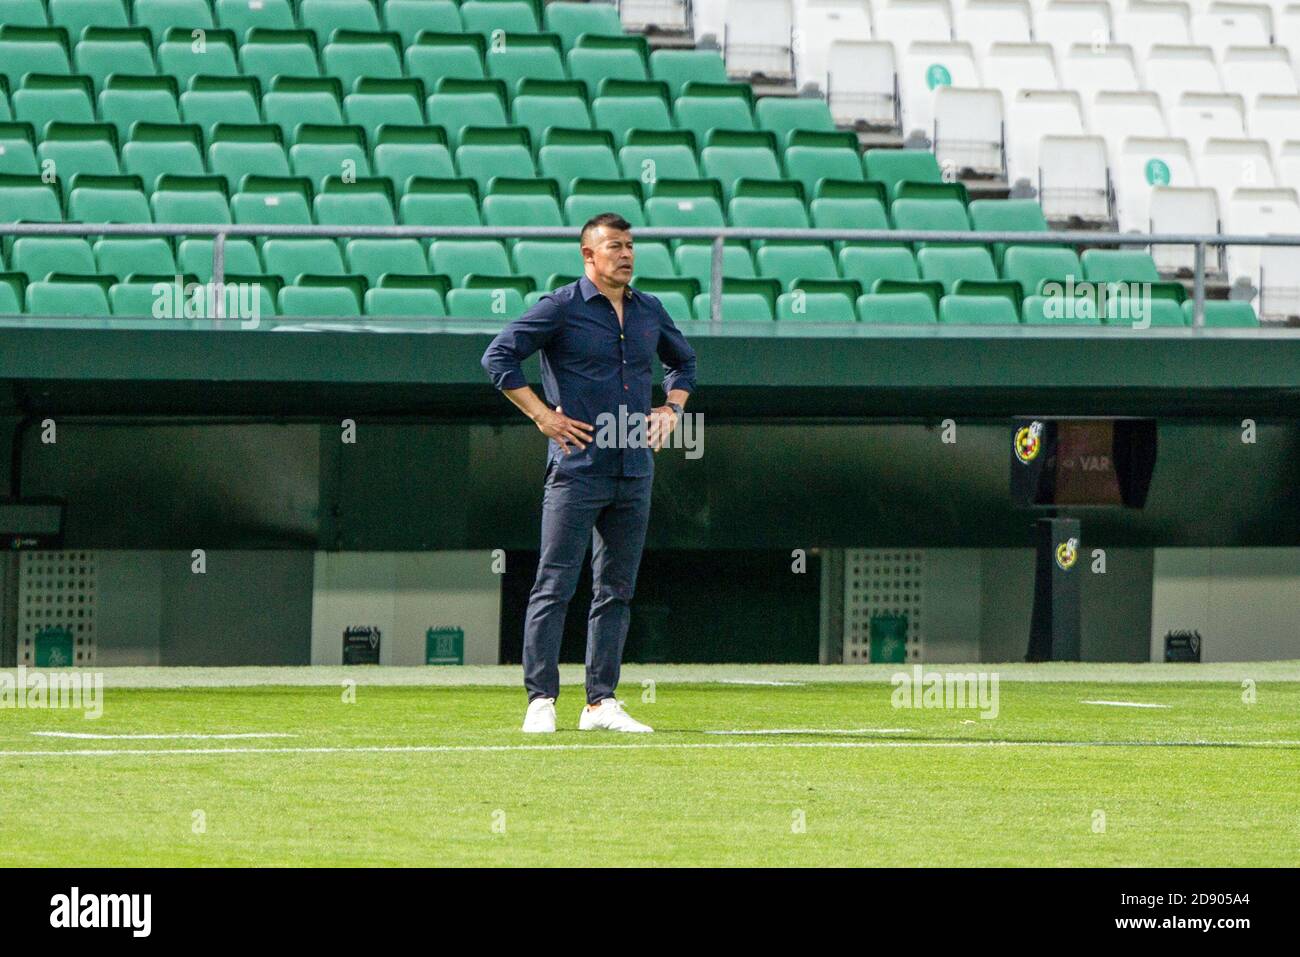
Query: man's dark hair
(612,220)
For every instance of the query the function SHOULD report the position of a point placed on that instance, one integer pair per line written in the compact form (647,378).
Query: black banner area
(1055,625)
(338,907)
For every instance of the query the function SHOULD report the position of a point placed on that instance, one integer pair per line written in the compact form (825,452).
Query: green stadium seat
(351,55)
(365,201)
(194,256)
(297,101)
(792,262)
(77,148)
(522,202)
(785,115)
(760,204)
(895,167)
(696,262)
(236,150)
(326,16)
(65,294)
(654,261)
(732,158)
(108,199)
(966,271)
(623,106)
(434,201)
(191,199)
(47,98)
(26,50)
(591,65)
(653,155)
(590,197)
(1033,266)
(127,100)
(290,258)
(542,104)
(678,203)
(518,57)
(462,104)
(573,20)
(1224,314)
(504,303)
(27,13)
(1136,311)
(410,18)
(177,56)
(325,151)
(376,102)
(568,155)
(404,152)
(433,57)
(458,258)
(13,289)
(221,99)
(267,54)
(485,154)
(136,297)
(75,15)
(18,149)
(126,256)
(978,310)
(736,307)
(6,114)
(315,295)
(929,214)
(400,295)
(541,259)
(705,109)
(490,17)
(866,264)
(679,67)
(801,306)
(847,204)
(159,16)
(1057,311)
(240,16)
(265,288)
(811,164)
(675,302)
(1007,215)
(523,285)
(273,201)
(373,258)
(39,256)
(1129,266)
(105,50)
(903,308)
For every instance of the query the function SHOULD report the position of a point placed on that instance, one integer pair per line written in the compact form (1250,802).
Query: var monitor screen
(1082,462)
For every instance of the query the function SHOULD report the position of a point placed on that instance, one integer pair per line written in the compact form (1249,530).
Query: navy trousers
(612,514)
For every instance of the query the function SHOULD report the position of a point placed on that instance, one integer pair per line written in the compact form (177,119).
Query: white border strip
(159,737)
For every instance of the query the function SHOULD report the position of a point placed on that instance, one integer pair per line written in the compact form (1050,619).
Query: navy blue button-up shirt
(592,367)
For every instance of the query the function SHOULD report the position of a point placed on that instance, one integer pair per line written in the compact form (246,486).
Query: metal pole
(1198,288)
(715,282)
(219,275)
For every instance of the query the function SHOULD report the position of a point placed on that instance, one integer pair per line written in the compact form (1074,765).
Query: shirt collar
(588,290)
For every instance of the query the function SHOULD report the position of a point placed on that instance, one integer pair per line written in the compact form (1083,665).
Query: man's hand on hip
(556,425)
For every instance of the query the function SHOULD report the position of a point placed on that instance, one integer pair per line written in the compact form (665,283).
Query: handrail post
(715,282)
(218,290)
(1198,288)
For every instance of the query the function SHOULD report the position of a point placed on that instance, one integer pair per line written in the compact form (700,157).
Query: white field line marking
(765,684)
(159,737)
(1126,704)
(818,731)
(675,746)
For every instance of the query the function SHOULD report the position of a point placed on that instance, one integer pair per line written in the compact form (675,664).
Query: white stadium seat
(911,21)
(1199,116)
(927,68)
(1275,118)
(981,23)
(1117,116)
(1143,163)
(1143,24)
(1091,69)
(1074,179)
(1172,71)
(860,82)
(1021,66)
(758,39)
(1251,71)
(1228,165)
(1184,209)
(1063,23)
(1271,270)
(1032,115)
(968,130)
(639,14)
(1221,25)
(1288,164)
(818,23)
(709,18)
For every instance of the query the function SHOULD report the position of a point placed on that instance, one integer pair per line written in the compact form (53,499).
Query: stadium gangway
(717,235)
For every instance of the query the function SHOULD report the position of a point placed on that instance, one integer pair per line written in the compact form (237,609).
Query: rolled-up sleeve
(677,355)
(505,355)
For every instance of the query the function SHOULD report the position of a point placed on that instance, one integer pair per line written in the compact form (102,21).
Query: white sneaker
(610,716)
(541,715)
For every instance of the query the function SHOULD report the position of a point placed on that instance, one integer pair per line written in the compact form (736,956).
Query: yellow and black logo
(1067,553)
(1028,442)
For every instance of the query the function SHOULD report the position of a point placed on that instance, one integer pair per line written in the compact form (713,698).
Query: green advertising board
(444,646)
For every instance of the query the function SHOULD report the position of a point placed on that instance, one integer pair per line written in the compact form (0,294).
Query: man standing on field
(598,338)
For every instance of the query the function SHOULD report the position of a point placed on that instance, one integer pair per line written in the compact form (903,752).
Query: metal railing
(717,235)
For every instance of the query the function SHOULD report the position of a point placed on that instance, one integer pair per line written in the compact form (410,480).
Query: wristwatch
(677,409)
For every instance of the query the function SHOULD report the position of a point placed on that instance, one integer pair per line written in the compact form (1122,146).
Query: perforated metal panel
(881,581)
(56,590)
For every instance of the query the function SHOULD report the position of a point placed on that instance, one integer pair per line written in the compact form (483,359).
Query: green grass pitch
(428,767)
